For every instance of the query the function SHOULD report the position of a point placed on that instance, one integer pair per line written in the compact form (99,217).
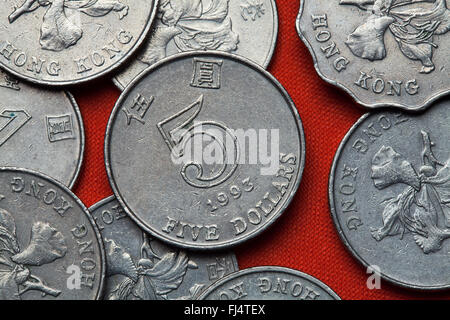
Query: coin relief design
(46,245)
(178,144)
(388,53)
(423,207)
(53,253)
(224,189)
(221,25)
(413,29)
(269,283)
(140,267)
(57,31)
(389,195)
(71,41)
(40,129)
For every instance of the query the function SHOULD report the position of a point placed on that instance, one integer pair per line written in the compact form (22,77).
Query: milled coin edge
(295,114)
(367,105)
(335,218)
(259,269)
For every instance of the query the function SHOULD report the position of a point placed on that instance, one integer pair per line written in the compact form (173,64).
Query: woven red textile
(304,238)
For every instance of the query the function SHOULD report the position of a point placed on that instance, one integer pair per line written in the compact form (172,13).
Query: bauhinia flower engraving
(46,245)
(192,25)
(413,23)
(58,32)
(152,277)
(423,208)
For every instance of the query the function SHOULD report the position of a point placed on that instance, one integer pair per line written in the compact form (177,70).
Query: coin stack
(204,149)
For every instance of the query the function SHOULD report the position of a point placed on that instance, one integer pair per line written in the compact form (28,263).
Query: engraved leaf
(57,31)
(389,167)
(168,273)
(367,41)
(164,277)
(119,261)
(46,245)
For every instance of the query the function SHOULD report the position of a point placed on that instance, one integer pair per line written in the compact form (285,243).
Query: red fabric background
(304,238)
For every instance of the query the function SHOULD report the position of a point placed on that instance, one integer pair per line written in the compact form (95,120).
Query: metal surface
(246,27)
(388,190)
(153,122)
(51,248)
(383,53)
(142,268)
(269,283)
(40,129)
(65,42)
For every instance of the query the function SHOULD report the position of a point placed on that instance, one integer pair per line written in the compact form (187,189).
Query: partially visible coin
(246,27)
(66,42)
(269,283)
(389,194)
(40,129)
(383,53)
(50,246)
(142,268)
(204,150)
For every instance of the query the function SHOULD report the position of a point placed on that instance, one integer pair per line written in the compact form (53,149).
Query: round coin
(40,129)
(248,28)
(51,248)
(389,195)
(204,150)
(269,283)
(66,42)
(387,53)
(139,267)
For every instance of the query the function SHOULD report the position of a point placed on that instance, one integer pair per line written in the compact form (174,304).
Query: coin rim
(113,67)
(259,269)
(51,180)
(77,171)
(268,77)
(265,65)
(112,198)
(337,223)
(368,105)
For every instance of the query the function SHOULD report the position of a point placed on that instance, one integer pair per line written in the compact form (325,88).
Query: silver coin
(389,195)
(246,27)
(139,267)
(269,283)
(40,129)
(382,52)
(65,42)
(50,246)
(218,192)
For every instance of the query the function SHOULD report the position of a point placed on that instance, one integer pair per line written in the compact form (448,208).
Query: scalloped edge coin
(367,104)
